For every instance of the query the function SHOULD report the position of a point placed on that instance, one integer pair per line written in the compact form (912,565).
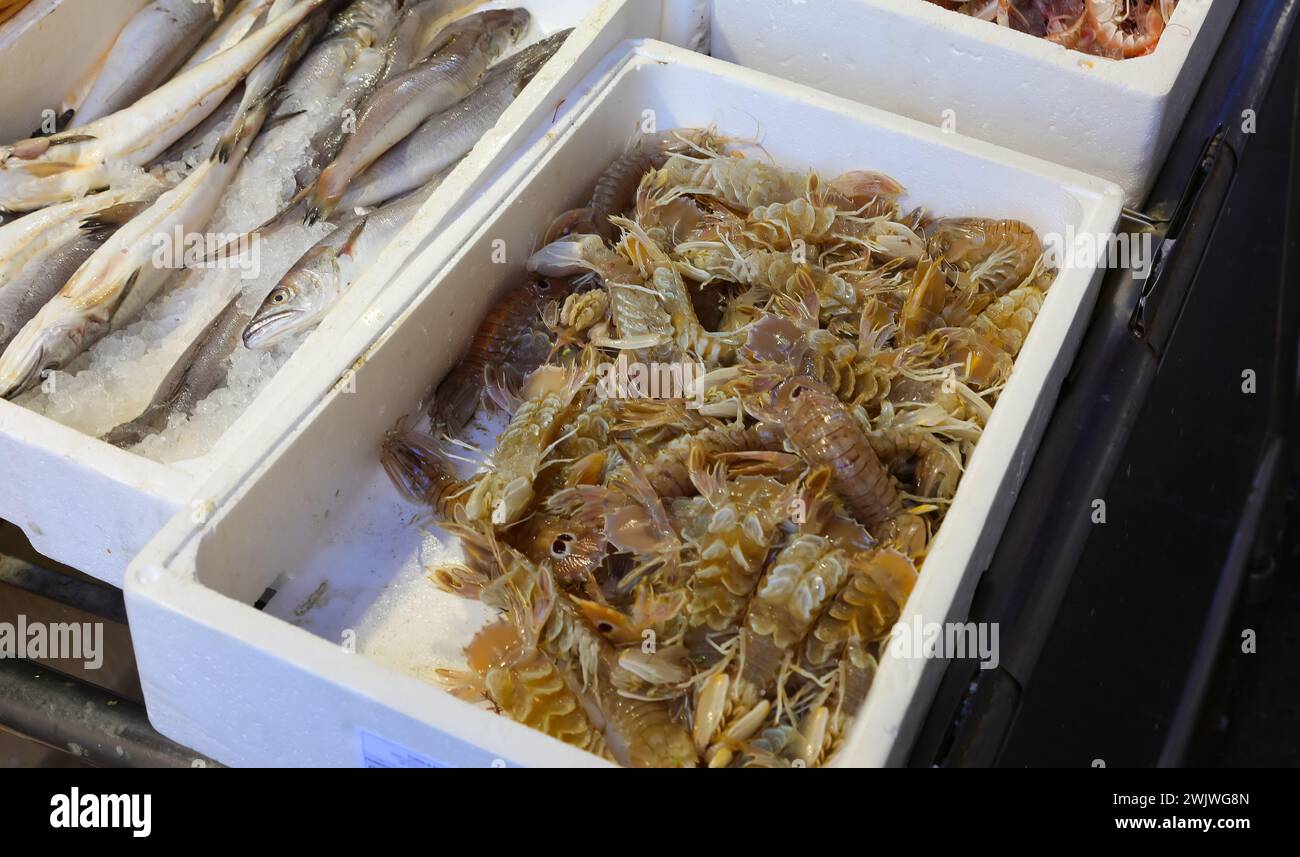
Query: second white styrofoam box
(92,506)
(1110,118)
(338,666)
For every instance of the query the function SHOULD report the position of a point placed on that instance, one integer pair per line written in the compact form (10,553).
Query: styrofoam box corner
(47,49)
(1114,119)
(92,506)
(348,644)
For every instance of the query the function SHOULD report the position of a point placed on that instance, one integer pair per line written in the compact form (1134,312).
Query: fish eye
(279,296)
(604,627)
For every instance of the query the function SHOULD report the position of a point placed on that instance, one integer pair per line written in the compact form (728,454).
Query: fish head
(506,27)
(297,302)
(368,22)
(47,342)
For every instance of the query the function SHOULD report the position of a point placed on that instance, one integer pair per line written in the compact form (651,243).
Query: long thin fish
(203,137)
(419,24)
(24,239)
(328,86)
(275,67)
(111,288)
(73,100)
(320,278)
(334,80)
(230,32)
(460,62)
(446,138)
(22,297)
(151,46)
(39,172)
(196,374)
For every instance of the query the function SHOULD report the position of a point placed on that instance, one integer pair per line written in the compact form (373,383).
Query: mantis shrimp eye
(560,547)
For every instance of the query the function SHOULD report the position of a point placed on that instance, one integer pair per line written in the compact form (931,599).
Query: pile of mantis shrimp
(710,579)
(1116,29)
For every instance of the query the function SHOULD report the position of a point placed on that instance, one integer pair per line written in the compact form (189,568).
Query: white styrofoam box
(93,506)
(348,645)
(686,23)
(1114,119)
(47,49)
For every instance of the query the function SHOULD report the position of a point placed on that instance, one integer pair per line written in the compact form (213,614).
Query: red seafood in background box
(1116,29)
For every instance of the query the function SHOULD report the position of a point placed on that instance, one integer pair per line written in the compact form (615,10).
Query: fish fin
(350,246)
(276,223)
(318,208)
(60,123)
(38,146)
(121,297)
(103,223)
(281,118)
(64,139)
(133,433)
(246,124)
(45,170)
(227,142)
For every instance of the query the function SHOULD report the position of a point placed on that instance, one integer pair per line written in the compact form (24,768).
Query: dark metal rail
(53,709)
(1119,365)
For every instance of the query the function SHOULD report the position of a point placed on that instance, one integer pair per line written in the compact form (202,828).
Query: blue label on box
(379,752)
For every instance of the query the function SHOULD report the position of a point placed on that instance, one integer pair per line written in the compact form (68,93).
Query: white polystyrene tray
(315,518)
(93,506)
(1114,119)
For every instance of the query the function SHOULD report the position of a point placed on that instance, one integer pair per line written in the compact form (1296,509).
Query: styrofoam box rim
(1155,74)
(1113,118)
(43,447)
(164,578)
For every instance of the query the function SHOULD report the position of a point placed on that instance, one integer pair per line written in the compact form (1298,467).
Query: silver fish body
(235,25)
(409,42)
(152,45)
(331,82)
(23,296)
(275,67)
(320,278)
(447,137)
(463,56)
(123,275)
(40,172)
(203,138)
(196,374)
(24,239)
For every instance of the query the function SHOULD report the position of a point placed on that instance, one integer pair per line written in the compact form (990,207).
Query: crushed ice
(114,381)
